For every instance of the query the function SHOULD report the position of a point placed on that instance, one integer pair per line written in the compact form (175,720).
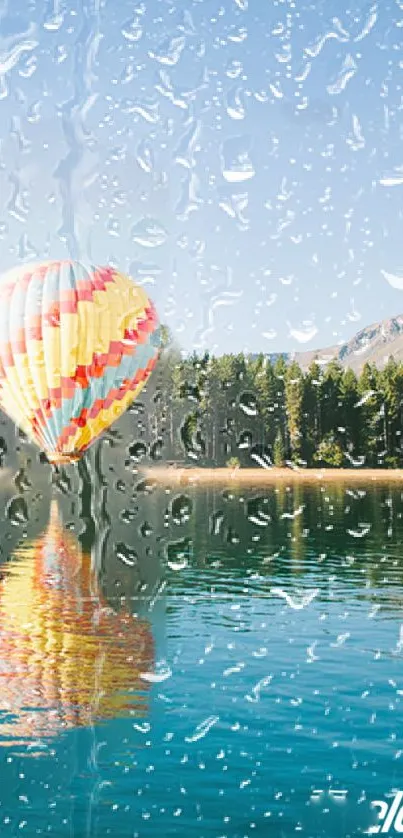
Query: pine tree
(312,411)
(208,405)
(351,413)
(294,392)
(279,450)
(277,383)
(330,398)
(372,407)
(391,380)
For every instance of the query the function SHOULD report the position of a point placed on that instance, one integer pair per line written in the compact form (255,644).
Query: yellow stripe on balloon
(22,366)
(29,392)
(137,304)
(85,350)
(116,304)
(93,427)
(51,347)
(69,344)
(36,354)
(135,299)
(107,304)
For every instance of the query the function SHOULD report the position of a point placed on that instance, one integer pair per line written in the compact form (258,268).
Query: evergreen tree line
(230,409)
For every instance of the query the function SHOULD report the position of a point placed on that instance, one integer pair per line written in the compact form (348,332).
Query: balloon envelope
(77,345)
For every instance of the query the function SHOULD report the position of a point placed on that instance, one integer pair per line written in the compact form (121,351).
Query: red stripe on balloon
(23,280)
(103,404)
(82,374)
(33,329)
(82,292)
(6,352)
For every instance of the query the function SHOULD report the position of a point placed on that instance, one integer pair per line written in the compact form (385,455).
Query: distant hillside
(375,344)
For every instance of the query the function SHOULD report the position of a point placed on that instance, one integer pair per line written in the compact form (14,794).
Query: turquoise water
(233,667)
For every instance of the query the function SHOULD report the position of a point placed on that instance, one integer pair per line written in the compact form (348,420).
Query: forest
(238,410)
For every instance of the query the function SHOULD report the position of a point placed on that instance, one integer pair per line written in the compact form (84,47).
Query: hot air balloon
(77,345)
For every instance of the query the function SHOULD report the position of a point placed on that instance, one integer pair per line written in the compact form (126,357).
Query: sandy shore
(168,476)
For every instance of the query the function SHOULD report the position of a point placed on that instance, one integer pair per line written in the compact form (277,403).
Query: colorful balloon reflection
(66,658)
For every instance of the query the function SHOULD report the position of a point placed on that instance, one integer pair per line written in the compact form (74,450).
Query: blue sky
(243,159)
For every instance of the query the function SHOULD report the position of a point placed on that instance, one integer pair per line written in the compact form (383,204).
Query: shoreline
(165,475)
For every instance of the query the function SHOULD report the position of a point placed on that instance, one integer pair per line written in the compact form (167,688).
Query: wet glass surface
(241,160)
(233,671)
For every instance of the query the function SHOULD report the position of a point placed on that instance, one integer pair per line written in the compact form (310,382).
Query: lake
(204,662)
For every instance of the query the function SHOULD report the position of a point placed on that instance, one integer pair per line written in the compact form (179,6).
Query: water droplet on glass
(145,529)
(181,509)
(137,451)
(156,450)
(17,511)
(162,672)
(149,233)
(177,566)
(178,551)
(22,481)
(169,51)
(132,30)
(128,515)
(347,71)
(202,729)
(304,335)
(126,554)
(248,404)
(236,163)
(145,156)
(54,22)
(235,105)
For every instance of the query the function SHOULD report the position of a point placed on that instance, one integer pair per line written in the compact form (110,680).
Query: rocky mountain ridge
(374,344)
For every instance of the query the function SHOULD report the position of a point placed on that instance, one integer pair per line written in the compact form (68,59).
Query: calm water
(204,666)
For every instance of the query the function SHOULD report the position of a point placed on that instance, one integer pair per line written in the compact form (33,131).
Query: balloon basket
(63,459)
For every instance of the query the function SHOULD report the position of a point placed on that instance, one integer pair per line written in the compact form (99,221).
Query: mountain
(375,344)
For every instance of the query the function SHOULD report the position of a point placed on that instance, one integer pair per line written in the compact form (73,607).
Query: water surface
(211,662)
